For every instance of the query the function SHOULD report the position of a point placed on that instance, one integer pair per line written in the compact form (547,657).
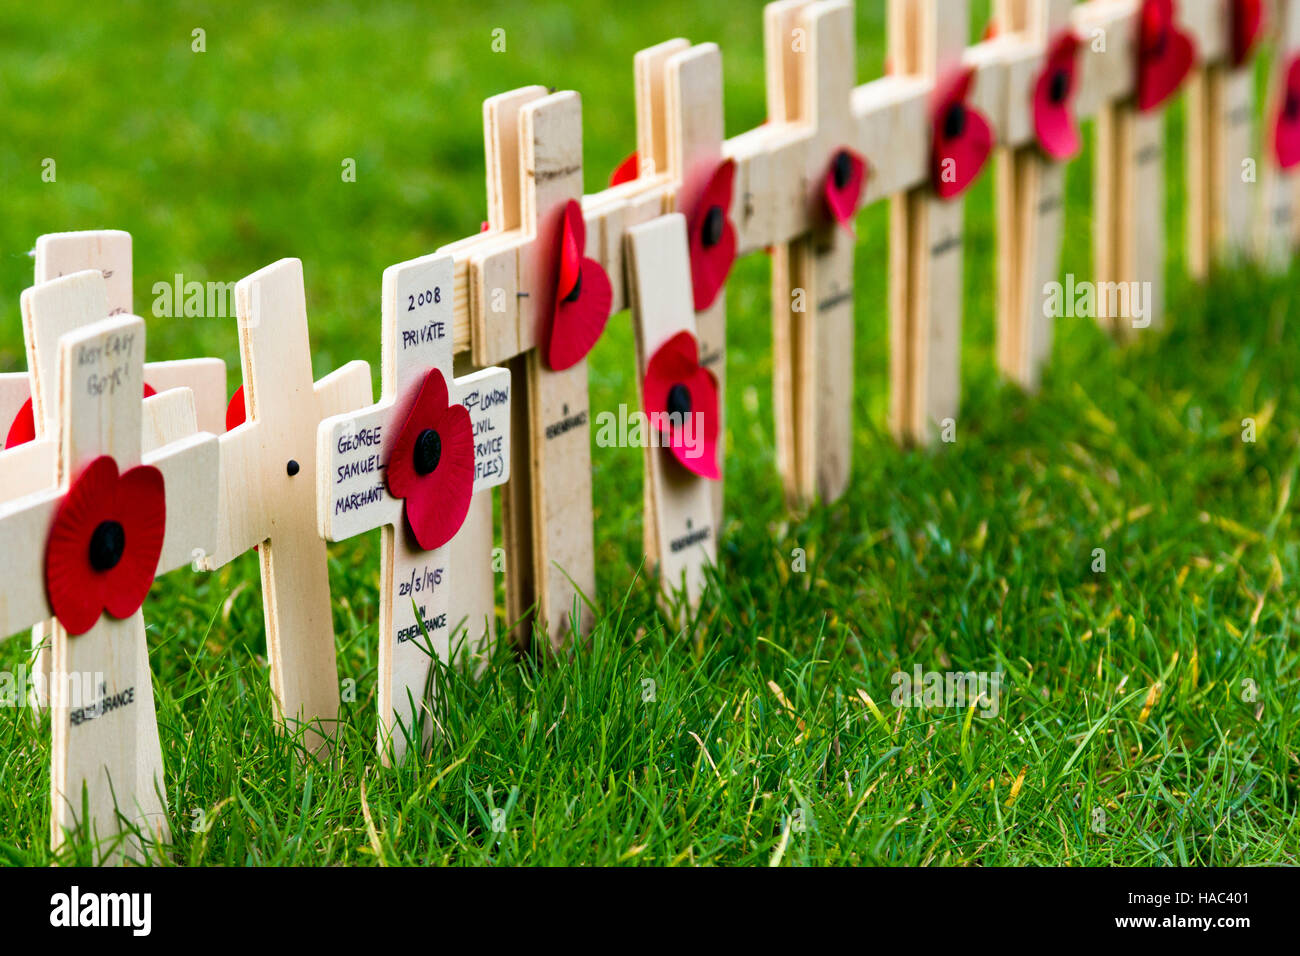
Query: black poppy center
(679,400)
(107,545)
(1292,107)
(713,222)
(954,124)
(841,169)
(576,290)
(428,451)
(1157,37)
(1060,86)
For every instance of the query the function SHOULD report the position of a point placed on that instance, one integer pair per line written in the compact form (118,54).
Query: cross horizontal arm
(24,524)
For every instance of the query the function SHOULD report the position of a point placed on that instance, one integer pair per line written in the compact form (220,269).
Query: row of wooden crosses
(117,469)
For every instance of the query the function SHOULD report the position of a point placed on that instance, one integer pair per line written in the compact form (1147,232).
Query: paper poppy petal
(437,506)
(845,178)
(236,414)
(626,171)
(1286,129)
(1054,121)
(573,242)
(426,412)
(676,362)
(1247,27)
(583,298)
(23,428)
(141,509)
(1165,54)
(960,148)
(711,261)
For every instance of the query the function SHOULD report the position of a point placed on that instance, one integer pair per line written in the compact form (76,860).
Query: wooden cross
(926,39)
(268,490)
(1221,202)
(1278,221)
(534,160)
(353,454)
(809,86)
(680,521)
(779,169)
(105,749)
(50,310)
(1129,176)
(680,126)
(1031,195)
(109,250)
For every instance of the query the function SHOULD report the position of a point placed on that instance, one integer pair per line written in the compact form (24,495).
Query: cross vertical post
(1220,141)
(105,753)
(1031,200)
(268,491)
(680,523)
(1278,221)
(811,69)
(356,494)
(1129,240)
(926,38)
(534,154)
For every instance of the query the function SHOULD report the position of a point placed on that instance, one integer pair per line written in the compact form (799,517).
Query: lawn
(1149,712)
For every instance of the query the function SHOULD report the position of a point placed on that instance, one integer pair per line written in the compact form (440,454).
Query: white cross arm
(486,396)
(24,525)
(30,467)
(205,377)
(351,493)
(241,456)
(191,480)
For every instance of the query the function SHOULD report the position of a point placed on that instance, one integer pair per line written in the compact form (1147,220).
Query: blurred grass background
(1127,691)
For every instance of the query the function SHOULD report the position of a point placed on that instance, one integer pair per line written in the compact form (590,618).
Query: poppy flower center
(107,545)
(712,231)
(1060,86)
(428,451)
(1292,107)
(954,123)
(576,290)
(841,169)
(679,400)
(1155,31)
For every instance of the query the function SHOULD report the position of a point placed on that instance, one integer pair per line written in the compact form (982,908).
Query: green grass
(977,557)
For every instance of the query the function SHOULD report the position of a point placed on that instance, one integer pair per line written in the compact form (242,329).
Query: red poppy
(1247,27)
(431,465)
(1165,54)
(963,139)
(23,428)
(1054,121)
(583,296)
(676,386)
(104,545)
(1286,131)
(626,172)
(843,187)
(713,236)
